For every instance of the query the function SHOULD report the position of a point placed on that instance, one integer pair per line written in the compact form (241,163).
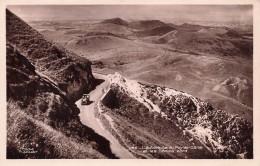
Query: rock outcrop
(72,73)
(41,121)
(226,135)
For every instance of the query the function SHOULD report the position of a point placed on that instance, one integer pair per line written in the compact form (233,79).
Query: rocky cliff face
(41,121)
(43,81)
(226,135)
(72,73)
(237,88)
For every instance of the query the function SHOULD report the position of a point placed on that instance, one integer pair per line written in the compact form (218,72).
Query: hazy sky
(220,13)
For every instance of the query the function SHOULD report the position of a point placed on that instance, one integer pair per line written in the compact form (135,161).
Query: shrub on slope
(226,135)
(41,121)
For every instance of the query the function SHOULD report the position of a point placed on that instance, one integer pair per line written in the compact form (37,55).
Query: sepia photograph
(129,81)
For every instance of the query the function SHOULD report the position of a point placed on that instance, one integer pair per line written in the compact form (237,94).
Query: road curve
(87,117)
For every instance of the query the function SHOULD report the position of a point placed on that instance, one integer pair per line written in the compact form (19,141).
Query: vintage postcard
(128,80)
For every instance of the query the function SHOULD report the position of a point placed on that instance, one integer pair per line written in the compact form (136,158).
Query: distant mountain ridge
(223,41)
(141,25)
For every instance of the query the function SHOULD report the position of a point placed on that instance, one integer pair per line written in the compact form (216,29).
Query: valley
(191,58)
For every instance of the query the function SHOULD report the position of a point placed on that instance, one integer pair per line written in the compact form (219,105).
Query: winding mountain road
(87,117)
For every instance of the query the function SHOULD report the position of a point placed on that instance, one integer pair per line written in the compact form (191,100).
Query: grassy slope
(41,138)
(65,68)
(145,128)
(41,117)
(142,128)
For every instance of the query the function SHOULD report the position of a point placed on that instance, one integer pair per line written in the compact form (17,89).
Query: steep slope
(72,73)
(226,135)
(41,121)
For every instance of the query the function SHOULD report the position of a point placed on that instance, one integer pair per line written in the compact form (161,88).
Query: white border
(79,162)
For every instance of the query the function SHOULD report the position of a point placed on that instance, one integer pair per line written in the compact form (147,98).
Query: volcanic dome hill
(146,24)
(117,21)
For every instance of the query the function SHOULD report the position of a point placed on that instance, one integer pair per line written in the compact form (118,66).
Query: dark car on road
(85,99)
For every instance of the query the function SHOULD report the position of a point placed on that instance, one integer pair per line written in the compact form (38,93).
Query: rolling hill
(191,58)
(146,24)
(213,41)
(117,21)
